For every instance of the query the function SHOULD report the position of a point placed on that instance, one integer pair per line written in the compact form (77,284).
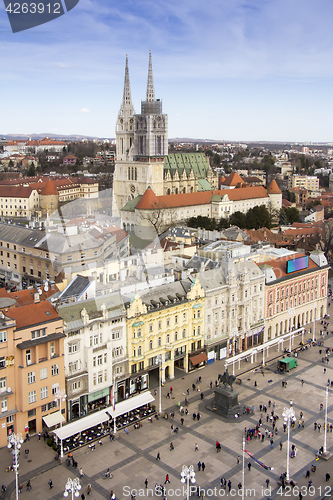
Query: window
(44,393)
(159,324)
(176,336)
(168,322)
(55,370)
(28,357)
(199,313)
(94,379)
(139,350)
(133,368)
(76,385)
(184,316)
(37,334)
(55,389)
(31,377)
(176,319)
(116,335)
(150,345)
(150,327)
(3,386)
(2,362)
(43,373)
(184,333)
(32,397)
(139,332)
(75,347)
(100,359)
(4,406)
(168,339)
(3,336)
(96,339)
(100,377)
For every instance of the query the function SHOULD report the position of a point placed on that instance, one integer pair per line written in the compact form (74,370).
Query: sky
(233,70)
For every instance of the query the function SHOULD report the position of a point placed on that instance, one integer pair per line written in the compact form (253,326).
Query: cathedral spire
(150,95)
(127,99)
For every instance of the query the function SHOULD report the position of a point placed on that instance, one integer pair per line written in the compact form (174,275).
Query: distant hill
(51,136)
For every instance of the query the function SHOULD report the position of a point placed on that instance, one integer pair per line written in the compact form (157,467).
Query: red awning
(199,358)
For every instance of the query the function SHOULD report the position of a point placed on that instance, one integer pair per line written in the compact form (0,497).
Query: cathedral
(142,158)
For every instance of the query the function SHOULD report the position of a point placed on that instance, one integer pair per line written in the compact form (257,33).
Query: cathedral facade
(142,158)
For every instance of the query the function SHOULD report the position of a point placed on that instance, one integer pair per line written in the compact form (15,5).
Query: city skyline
(247,71)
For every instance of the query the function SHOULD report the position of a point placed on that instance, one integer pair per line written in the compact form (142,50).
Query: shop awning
(199,358)
(82,424)
(53,419)
(104,415)
(130,404)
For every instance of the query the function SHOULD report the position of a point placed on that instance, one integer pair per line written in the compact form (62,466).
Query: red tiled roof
(149,201)
(33,314)
(286,203)
(273,188)
(233,179)
(15,191)
(279,265)
(25,297)
(49,189)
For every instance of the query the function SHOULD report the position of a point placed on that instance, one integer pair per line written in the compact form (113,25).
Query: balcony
(45,358)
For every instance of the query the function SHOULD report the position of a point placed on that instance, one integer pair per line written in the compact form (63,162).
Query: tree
(238,219)
(31,172)
(160,217)
(258,217)
(293,215)
(289,195)
(223,224)
(283,217)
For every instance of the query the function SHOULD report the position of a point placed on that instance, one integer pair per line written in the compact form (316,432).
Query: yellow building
(166,322)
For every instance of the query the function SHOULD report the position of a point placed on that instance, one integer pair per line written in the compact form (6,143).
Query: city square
(132,458)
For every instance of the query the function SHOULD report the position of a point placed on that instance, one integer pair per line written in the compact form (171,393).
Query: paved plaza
(132,458)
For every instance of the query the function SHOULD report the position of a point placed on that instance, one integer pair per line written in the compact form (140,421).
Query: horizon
(250,69)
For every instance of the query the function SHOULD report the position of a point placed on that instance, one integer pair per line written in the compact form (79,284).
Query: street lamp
(288,416)
(188,474)
(15,441)
(72,486)
(159,359)
(60,396)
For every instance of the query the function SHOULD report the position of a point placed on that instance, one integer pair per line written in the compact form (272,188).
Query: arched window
(168,339)
(150,345)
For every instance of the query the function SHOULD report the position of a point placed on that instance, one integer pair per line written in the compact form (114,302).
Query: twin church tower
(141,145)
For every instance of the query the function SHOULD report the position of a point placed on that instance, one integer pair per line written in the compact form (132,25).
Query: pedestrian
(89,489)
(324,370)
(146,483)
(201,396)
(196,447)
(112,495)
(182,421)
(327,477)
(81,472)
(3,488)
(255,383)
(26,453)
(194,416)
(39,435)
(272,442)
(167,480)
(300,496)
(239,485)
(199,466)
(249,465)
(171,447)
(50,484)
(211,384)
(229,485)
(203,466)
(307,473)
(281,445)
(267,482)
(83,497)
(126,430)
(238,459)
(198,415)
(171,390)
(28,485)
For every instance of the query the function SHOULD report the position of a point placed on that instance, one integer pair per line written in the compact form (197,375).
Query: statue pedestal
(225,402)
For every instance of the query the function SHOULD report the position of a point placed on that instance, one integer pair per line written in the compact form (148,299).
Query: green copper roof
(131,204)
(198,162)
(204,185)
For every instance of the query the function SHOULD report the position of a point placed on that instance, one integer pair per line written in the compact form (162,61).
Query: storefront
(197,360)
(216,351)
(130,386)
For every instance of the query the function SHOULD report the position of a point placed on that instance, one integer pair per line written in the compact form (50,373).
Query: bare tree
(160,217)
(324,235)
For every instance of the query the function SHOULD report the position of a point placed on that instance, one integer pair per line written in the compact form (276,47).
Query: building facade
(31,366)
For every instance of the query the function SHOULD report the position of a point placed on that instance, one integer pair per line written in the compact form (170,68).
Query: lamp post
(326,454)
(159,359)
(60,396)
(15,441)
(314,323)
(72,486)
(288,416)
(187,475)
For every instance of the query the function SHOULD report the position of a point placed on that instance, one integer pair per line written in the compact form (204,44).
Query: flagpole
(243,471)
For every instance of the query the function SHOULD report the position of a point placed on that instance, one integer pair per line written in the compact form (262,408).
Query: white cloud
(85,110)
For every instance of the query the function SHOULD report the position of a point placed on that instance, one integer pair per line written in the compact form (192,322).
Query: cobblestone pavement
(132,458)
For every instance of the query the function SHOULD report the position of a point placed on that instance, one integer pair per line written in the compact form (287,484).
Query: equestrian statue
(227,379)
